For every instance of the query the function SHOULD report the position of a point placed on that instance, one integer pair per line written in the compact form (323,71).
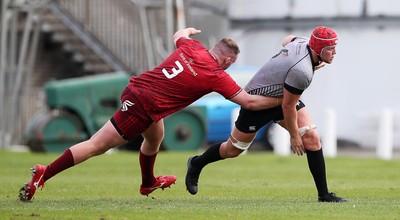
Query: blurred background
(63,64)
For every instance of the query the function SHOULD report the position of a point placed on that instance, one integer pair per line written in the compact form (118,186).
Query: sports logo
(157,187)
(126,104)
(252,128)
(36,184)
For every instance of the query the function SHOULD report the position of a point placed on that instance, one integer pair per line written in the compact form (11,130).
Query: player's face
(328,53)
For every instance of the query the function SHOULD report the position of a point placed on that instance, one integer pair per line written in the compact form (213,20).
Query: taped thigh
(304,129)
(239,144)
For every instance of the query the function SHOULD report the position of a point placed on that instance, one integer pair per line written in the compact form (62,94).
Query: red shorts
(131,120)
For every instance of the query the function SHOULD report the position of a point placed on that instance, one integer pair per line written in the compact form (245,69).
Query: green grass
(254,186)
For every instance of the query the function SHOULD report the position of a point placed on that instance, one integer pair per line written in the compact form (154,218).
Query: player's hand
(297,145)
(322,64)
(185,33)
(193,31)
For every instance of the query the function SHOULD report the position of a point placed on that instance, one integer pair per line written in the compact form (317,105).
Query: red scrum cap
(322,37)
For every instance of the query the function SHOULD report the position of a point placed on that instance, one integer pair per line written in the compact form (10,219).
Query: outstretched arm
(185,33)
(255,102)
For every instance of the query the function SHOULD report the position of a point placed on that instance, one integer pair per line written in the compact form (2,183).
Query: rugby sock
(65,161)
(147,168)
(209,156)
(316,164)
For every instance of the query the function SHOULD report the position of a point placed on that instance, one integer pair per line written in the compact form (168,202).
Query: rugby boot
(27,192)
(331,197)
(192,177)
(162,182)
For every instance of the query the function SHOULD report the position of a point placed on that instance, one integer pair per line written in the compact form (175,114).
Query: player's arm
(185,33)
(255,102)
(289,103)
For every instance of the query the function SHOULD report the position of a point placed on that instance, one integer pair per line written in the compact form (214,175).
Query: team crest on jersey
(126,104)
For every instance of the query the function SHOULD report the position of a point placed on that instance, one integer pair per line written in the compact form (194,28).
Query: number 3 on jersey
(175,72)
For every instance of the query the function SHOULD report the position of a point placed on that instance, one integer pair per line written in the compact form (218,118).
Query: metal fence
(137,33)
(20,28)
(134,34)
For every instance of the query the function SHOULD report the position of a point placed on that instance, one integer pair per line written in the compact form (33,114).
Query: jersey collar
(314,63)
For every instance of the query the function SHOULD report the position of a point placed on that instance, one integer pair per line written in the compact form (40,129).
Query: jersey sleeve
(183,41)
(226,86)
(300,74)
(296,82)
(293,90)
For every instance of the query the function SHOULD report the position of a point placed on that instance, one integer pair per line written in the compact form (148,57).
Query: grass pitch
(258,185)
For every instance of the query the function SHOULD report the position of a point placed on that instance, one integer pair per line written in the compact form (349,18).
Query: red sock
(147,167)
(65,161)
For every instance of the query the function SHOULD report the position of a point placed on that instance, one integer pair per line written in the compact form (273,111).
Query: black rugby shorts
(252,121)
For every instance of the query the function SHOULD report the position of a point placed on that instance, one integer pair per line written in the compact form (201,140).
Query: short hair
(227,46)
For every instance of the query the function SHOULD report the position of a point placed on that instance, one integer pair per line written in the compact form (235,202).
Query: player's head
(322,37)
(226,52)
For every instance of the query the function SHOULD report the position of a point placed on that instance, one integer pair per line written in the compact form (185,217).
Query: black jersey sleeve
(293,89)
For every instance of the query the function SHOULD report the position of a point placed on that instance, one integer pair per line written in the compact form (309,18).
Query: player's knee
(306,128)
(227,150)
(236,147)
(311,140)
(154,142)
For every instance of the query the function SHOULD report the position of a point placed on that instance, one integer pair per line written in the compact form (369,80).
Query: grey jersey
(292,69)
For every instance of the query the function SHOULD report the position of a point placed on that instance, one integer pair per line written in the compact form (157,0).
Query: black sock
(316,164)
(209,156)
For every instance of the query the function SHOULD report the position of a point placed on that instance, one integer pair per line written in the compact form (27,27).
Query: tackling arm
(255,102)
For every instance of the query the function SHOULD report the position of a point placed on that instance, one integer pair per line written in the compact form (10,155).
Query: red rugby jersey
(186,75)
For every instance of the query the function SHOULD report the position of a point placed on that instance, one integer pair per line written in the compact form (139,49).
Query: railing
(17,58)
(129,35)
(135,32)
